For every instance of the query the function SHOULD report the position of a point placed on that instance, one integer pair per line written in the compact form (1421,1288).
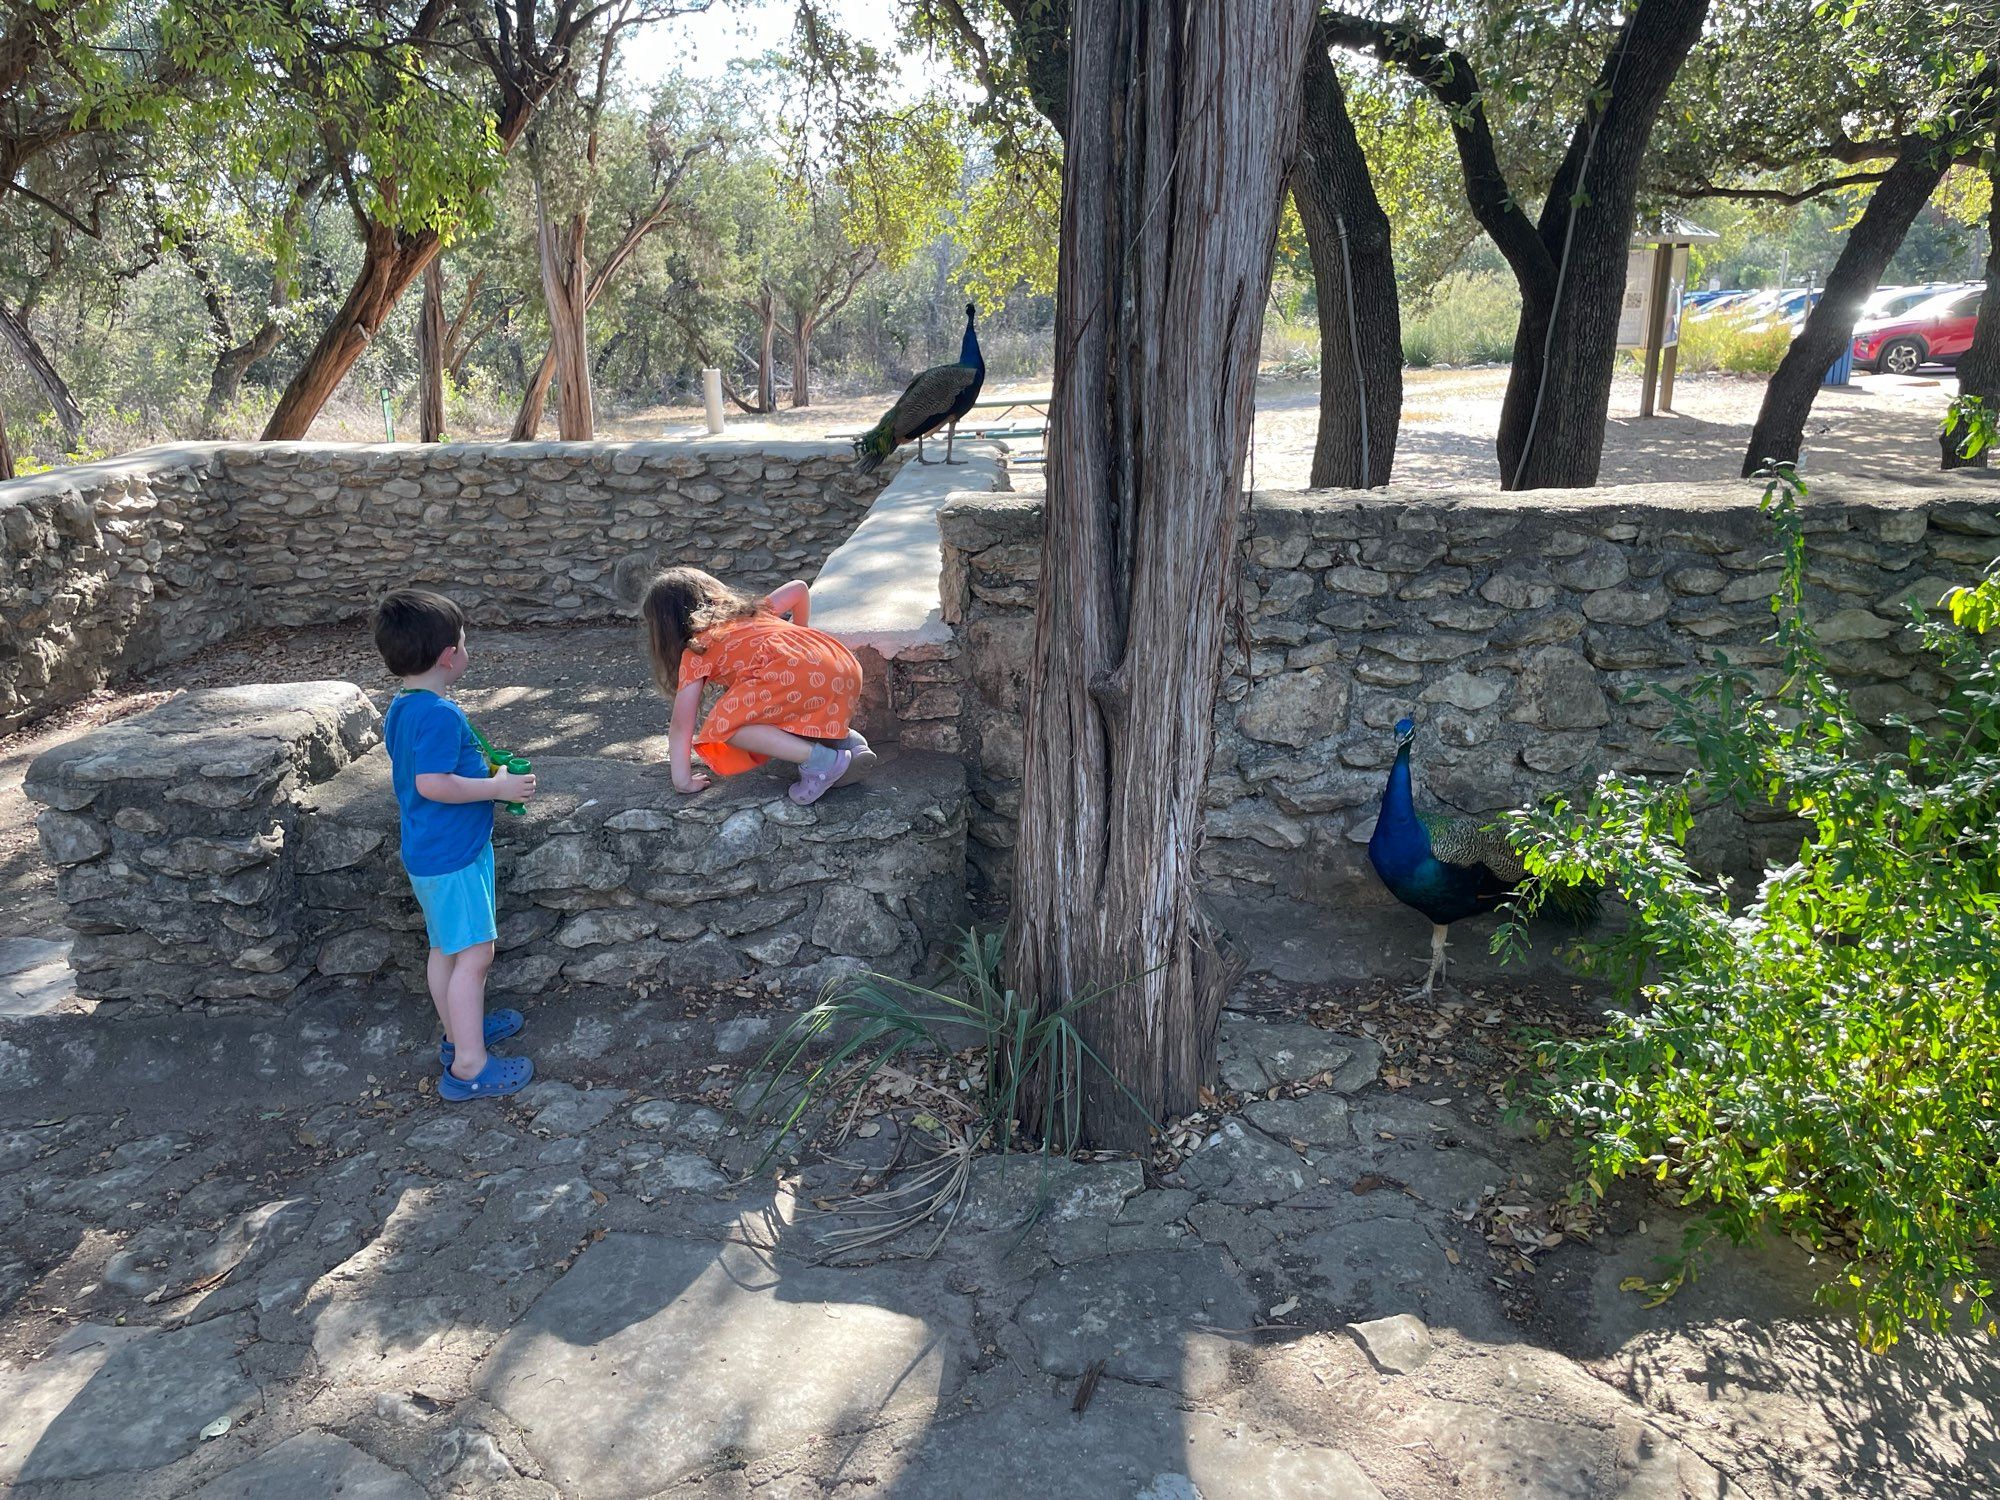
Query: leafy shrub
(1468,320)
(1973,423)
(1819,1060)
(1731,344)
(1290,345)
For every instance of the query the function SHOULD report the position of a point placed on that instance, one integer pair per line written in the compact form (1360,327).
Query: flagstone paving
(251,1258)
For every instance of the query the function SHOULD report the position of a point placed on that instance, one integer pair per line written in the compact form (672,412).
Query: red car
(1940,329)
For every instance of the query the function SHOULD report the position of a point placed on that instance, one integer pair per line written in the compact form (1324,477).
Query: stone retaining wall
(113,567)
(107,569)
(231,844)
(616,879)
(1512,628)
(175,837)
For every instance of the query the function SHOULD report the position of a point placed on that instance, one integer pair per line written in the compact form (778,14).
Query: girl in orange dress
(788,691)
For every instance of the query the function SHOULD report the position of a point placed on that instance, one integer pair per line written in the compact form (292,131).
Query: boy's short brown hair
(414,627)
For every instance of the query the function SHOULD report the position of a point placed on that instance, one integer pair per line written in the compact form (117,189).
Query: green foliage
(1732,345)
(1816,1060)
(1469,320)
(1971,420)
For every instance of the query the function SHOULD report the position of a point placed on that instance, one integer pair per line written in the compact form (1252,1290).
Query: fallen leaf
(1368,1183)
(1284,1307)
(1451,1255)
(216,1428)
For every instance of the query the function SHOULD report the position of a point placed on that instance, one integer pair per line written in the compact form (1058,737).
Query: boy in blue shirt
(447,796)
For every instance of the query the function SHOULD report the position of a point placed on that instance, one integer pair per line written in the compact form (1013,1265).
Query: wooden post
(1670,359)
(1656,324)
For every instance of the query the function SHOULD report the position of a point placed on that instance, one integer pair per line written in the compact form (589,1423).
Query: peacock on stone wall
(934,399)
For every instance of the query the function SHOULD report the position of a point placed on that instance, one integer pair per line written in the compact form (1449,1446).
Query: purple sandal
(812,784)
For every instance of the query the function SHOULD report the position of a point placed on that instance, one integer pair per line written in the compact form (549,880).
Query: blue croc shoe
(500,1024)
(501,1075)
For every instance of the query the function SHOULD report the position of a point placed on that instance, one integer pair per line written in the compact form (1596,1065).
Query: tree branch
(1450,78)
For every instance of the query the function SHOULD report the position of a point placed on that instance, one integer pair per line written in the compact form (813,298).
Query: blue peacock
(937,397)
(1449,868)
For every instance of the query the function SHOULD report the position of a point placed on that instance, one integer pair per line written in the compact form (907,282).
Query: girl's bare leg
(779,744)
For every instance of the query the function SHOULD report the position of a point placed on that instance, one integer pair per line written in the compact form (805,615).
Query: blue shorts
(459,907)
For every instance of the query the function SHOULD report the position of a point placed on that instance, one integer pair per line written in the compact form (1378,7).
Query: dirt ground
(1450,417)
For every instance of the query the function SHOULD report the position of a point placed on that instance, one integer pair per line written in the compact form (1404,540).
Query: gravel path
(1450,417)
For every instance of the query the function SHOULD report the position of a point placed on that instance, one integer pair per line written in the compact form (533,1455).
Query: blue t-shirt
(425,734)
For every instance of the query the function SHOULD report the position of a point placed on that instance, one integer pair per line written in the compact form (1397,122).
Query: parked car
(1939,329)
(1788,310)
(1893,301)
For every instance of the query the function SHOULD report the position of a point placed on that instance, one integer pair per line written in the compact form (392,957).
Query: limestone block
(1561,690)
(1296,708)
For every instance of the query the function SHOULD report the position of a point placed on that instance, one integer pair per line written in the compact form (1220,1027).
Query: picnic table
(1005,424)
(1032,421)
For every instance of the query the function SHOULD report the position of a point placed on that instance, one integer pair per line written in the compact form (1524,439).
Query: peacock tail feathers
(873,446)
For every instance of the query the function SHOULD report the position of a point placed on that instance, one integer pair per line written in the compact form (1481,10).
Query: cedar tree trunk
(390,260)
(1354,272)
(566,293)
(55,390)
(1566,345)
(764,308)
(430,356)
(1183,118)
(803,328)
(6,450)
(1829,327)
(1570,263)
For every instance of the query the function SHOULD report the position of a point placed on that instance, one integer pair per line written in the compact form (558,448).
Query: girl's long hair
(678,605)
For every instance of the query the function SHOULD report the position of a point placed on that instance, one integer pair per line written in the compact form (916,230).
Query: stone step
(613,878)
(235,844)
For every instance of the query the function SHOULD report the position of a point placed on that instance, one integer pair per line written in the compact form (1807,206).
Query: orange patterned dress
(771,672)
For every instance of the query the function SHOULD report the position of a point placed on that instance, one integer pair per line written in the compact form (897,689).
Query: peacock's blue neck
(1400,839)
(968,349)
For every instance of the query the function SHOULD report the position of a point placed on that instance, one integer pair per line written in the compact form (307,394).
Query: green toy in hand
(502,760)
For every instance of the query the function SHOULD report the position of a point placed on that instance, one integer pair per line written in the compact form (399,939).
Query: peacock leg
(950,437)
(1434,970)
(1438,934)
(920,453)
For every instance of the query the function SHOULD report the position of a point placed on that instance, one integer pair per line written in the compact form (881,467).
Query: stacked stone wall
(527,533)
(615,879)
(117,567)
(233,843)
(1514,629)
(106,569)
(175,838)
